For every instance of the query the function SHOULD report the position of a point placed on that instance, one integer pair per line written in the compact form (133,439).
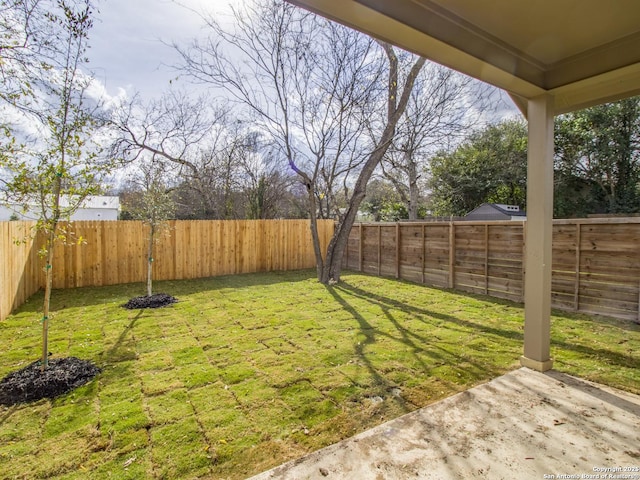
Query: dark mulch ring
(31,383)
(156,300)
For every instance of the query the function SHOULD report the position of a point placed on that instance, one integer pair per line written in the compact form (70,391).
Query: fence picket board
(452,254)
(486,259)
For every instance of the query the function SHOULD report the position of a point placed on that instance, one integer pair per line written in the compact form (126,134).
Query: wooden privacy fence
(596,262)
(115,252)
(595,269)
(21,272)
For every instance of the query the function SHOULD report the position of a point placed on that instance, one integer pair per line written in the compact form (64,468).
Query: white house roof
(97,202)
(96,207)
(497,208)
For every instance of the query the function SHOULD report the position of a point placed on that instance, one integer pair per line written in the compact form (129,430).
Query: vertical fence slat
(360,249)
(486,259)
(398,242)
(379,249)
(524,258)
(345,258)
(424,251)
(638,317)
(20,265)
(576,293)
(452,254)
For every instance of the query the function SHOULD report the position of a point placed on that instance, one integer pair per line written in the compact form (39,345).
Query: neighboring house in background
(93,208)
(496,211)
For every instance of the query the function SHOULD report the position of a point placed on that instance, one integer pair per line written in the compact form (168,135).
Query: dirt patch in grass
(156,300)
(31,383)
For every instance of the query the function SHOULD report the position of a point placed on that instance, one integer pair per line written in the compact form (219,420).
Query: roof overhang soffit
(597,73)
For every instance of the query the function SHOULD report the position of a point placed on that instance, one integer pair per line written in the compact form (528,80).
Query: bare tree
(174,127)
(205,143)
(311,86)
(443,107)
(397,99)
(31,43)
(266,188)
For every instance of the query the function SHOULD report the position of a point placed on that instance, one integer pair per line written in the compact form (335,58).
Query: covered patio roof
(582,52)
(551,57)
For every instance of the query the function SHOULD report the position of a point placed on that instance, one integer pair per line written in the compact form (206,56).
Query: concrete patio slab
(525,425)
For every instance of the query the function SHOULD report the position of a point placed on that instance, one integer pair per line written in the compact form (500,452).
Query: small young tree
(154,208)
(64,167)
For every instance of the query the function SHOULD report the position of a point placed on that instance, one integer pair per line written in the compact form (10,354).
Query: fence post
(486,259)
(524,257)
(345,258)
(360,250)
(452,254)
(397,250)
(424,250)
(576,294)
(379,249)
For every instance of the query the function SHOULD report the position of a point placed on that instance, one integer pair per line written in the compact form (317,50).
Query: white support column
(537,293)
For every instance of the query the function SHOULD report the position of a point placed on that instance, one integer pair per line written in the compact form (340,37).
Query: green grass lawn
(249,371)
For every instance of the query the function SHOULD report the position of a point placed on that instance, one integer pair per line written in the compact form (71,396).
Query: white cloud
(23,125)
(98,92)
(129,41)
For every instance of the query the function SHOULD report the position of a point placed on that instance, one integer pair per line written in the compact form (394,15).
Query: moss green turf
(249,371)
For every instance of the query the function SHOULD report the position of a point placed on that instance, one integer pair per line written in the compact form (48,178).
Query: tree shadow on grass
(609,356)
(124,347)
(627,325)
(427,354)
(87,296)
(381,384)
(388,303)
(367,329)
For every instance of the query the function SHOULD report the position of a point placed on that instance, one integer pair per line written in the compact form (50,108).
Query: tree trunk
(46,305)
(51,227)
(413,187)
(335,250)
(313,224)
